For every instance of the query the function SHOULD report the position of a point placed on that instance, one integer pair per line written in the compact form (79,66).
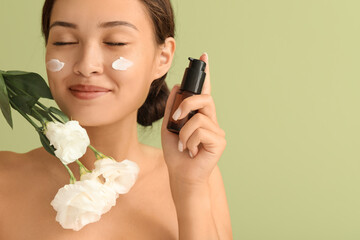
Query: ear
(165,55)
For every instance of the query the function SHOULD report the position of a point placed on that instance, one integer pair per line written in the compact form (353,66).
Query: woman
(179,193)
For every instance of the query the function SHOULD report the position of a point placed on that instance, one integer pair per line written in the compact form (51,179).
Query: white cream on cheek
(122,64)
(54,65)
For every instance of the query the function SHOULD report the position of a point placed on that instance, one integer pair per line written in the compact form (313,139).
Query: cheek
(128,70)
(133,81)
(54,69)
(58,68)
(122,64)
(54,65)
(59,62)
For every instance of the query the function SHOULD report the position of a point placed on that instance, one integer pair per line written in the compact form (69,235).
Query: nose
(90,61)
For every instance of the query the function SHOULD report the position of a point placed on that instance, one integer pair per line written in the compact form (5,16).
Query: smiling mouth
(88,92)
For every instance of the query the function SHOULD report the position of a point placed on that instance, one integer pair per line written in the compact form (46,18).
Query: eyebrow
(101,25)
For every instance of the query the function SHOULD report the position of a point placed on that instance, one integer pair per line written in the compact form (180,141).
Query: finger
(169,104)
(203,103)
(210,142)
(207,86)
(198,121)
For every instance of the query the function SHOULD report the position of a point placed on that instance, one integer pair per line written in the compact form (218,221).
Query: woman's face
(88,36)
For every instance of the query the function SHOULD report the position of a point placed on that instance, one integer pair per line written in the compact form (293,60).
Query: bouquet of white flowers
(80,202)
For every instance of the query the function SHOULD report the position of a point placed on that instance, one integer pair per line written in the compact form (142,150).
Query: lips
(87,92)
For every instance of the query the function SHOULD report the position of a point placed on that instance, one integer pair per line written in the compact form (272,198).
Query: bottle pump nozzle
(194,76)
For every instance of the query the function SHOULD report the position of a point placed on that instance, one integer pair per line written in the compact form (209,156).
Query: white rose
(82,203)
(90,176)
(120,176)
(70,140)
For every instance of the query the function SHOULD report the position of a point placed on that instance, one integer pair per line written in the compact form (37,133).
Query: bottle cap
(194,76)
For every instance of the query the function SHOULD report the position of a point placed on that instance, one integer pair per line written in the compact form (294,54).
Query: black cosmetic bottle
(191,84)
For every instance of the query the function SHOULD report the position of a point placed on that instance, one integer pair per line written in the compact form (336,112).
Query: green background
(285,80)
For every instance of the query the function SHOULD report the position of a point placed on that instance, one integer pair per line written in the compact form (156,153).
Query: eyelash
(115,43)
(63,43)
(71,43)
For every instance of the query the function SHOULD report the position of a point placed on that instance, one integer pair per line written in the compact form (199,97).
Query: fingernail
(206,55)
(191,155)
(180,146)
(176,114)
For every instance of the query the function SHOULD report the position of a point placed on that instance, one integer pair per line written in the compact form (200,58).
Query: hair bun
(154,107)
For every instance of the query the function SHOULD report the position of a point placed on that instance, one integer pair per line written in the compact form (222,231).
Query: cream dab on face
(54,65)
(122,64)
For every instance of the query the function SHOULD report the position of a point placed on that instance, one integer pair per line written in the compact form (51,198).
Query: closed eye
(115,43)
(63,43)
(71,43)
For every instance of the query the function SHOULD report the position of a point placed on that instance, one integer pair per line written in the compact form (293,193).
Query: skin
(176,196)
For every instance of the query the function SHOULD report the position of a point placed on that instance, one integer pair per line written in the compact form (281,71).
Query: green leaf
(31,83)
(59,113)
(24,103)
(4,102)
(15,72)
(44,116)
(46,144)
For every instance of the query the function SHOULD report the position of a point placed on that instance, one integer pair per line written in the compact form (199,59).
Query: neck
(118,140)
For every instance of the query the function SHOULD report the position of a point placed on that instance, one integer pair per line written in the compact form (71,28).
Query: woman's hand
(192,155)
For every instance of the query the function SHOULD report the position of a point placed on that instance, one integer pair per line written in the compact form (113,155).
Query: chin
(99,114)
(96,119)
(88,122)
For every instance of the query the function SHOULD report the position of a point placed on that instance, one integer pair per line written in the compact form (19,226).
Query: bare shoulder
(18,171)
(28,183)
(7,159)
(13,164)
(12,168)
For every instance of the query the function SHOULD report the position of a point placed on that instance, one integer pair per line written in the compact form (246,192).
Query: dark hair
(162,16)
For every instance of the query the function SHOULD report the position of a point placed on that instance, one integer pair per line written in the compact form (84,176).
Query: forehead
(86,13)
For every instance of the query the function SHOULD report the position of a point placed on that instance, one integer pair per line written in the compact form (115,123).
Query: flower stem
(98,154)
(46,109)
(83,169)
(25,116)
(21,112)
(42,106)
(57,119)
(42,119)
(72,177)
(23,92)
(10,90)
